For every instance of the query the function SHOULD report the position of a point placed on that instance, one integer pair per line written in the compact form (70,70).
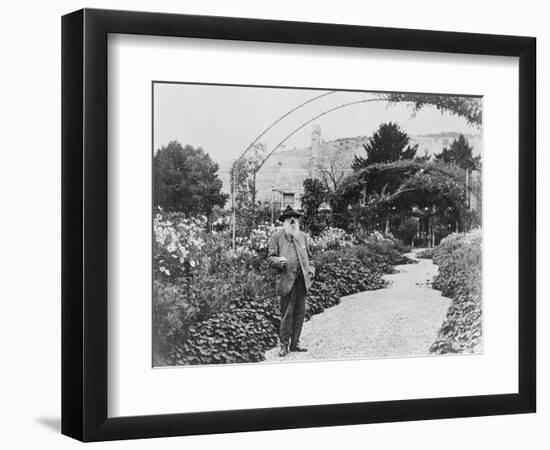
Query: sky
(225,120)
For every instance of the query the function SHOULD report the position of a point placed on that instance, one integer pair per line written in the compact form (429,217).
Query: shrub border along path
(459,277)
(250,326)
(401,320)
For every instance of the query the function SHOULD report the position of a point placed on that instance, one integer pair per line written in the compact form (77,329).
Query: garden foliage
(212,304)
(427,253)
(459,277)
(186,179)
(315,194)
(368,199)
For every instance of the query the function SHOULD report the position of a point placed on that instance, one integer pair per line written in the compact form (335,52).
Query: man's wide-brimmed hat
(289,212)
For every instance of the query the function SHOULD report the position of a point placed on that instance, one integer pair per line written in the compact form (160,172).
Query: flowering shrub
(221,224)
(459,277)
(376,241)
(196,275)
(332,239)
(259,238)
(177,247)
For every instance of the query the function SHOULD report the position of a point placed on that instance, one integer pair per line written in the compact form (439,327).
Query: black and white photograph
(275,225)
(301,224)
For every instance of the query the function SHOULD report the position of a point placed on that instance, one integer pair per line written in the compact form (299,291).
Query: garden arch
(468,108)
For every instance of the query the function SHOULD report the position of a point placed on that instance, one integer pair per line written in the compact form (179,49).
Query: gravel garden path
(400,320)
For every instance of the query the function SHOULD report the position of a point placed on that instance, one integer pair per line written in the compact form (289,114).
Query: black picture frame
(84,224)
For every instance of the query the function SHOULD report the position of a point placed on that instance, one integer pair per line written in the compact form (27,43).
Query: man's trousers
(293,309)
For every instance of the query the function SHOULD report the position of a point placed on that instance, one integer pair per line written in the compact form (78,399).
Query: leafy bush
(241,334)
(332,239)
(213,304)
(169,317)
(384,252)
(176,307)
(459,277)
(314,195)
(427,253)
(250,324)
(177,246)
(258,240)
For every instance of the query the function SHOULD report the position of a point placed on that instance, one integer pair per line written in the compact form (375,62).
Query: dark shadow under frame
(84,224)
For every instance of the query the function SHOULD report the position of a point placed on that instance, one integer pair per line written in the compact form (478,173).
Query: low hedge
(179,305)
(241,334)
(459,277)
(378,261)
(250,325)
(427,253)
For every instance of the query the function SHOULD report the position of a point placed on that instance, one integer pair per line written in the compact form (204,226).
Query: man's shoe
(298,349)
(283,351)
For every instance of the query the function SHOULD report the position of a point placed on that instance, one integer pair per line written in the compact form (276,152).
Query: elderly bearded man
(290,256)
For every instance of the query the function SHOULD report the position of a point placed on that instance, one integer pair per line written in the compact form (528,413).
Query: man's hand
(282,263)
(312,272)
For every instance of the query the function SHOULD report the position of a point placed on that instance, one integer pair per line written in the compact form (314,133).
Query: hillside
(289,167)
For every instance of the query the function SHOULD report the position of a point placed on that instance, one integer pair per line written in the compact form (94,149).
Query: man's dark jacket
(280,245)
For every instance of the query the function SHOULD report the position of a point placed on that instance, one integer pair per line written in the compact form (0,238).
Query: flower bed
(250,325)
(383,252)
(241,334)
(332,239)
(213,304)
(459,259)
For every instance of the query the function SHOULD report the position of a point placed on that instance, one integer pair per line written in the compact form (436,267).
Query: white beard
(293,230)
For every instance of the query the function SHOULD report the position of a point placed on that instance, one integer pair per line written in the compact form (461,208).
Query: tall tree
(460,153)
(186,180)
(388,144)
(315,194)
